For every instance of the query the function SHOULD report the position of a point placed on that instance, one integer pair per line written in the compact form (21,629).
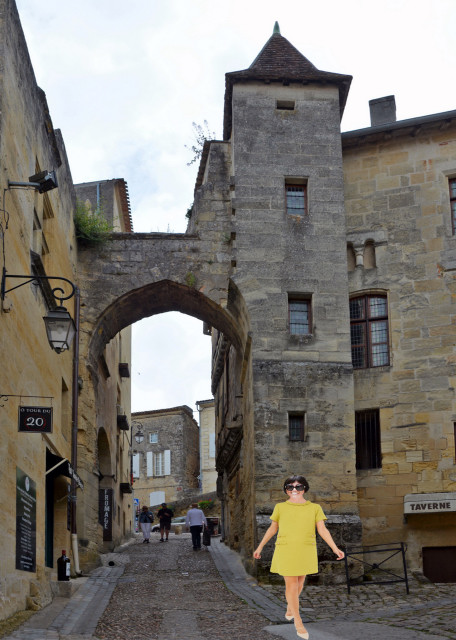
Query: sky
(125,80)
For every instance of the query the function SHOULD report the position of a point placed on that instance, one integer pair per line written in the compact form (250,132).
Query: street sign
(35,419)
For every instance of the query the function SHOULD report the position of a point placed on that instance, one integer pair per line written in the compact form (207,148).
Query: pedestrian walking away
(195,521)
(295,554)
(165,515)
(146,518)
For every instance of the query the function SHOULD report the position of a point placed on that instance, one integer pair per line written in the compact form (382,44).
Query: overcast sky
(125,80)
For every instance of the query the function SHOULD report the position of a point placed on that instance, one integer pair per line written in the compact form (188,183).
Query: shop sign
(35,419)
(25,522)
(429,503)
(106,505)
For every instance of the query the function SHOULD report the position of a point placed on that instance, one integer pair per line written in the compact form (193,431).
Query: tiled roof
(280,61)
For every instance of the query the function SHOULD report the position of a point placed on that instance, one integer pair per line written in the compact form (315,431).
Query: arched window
(369,331)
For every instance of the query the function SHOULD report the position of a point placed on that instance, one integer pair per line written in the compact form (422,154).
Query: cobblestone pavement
(428,608)
(167,591)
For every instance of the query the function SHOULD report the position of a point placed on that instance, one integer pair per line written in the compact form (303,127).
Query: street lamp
(60,327)
(139,436)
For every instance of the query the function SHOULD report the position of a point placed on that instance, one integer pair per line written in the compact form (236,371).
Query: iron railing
(359,555)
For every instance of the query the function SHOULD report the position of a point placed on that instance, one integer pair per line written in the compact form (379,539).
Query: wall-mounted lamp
(60,328)
(139,436)
(43,181)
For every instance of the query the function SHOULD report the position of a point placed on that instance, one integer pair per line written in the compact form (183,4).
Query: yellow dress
(296,545)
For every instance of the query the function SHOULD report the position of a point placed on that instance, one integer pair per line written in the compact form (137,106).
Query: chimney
(382,110)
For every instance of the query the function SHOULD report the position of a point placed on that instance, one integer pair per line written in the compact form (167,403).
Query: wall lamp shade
(46,180)
(60,329)
(139,437)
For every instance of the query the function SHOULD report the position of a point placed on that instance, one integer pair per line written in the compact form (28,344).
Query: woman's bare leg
(292,590)
(301,580)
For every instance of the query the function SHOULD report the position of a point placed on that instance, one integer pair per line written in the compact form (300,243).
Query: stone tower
(282,122)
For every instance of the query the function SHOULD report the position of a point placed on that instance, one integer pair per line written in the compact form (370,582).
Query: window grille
(367,438)
(296,427)
(296,195)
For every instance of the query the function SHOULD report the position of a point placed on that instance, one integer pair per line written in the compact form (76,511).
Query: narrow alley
(167,591)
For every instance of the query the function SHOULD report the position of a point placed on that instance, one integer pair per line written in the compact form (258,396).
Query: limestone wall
(397,197)
(31,373)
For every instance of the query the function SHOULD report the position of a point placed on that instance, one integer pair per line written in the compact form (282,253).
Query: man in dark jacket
(164,515)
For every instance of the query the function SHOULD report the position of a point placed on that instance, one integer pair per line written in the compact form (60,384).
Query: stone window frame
(368,439)
(452,194)
(296,426)
(304,299)
(296,186)
(369,322)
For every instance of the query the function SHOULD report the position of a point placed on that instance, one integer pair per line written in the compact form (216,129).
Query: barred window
(452,185)
(299,316)
(369,331)
(296,196)
(367,439)
(296,427)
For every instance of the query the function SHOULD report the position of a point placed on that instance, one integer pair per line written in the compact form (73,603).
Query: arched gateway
(264,264)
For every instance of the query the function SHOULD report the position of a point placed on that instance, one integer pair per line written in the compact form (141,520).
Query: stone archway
(136,276)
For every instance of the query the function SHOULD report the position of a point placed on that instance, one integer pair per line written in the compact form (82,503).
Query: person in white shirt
(195,520)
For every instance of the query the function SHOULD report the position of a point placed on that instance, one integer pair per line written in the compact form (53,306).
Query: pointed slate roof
(280,61)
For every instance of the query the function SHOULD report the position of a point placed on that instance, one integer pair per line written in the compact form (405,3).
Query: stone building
(348,370)
(106,514)
(208,472)
(324,264)
(165,463)
(44,501)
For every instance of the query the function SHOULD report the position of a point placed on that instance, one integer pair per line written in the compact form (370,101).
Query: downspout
(74,434)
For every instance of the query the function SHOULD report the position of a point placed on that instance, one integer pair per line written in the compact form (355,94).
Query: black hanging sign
(35,419)
(25,522)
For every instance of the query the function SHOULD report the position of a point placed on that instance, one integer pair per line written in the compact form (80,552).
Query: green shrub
(206,504)
(91,226)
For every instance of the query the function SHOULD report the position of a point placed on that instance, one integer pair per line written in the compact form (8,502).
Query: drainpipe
(74,433)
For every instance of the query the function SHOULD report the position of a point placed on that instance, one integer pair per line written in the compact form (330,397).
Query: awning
(57,466)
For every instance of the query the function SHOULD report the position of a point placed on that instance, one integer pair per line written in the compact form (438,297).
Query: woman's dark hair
(299,479)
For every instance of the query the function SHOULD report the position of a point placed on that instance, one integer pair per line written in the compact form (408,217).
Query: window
(159,464)
(153,438)
(212,445)
(296,196)
(296,427)
(367,438)
(299,316)
(369,331)
(452,184)
(285,105)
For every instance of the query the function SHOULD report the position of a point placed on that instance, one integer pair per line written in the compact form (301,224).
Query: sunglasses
(298,487)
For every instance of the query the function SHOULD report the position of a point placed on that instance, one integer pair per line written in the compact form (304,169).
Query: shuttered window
(135,465)
(160,463)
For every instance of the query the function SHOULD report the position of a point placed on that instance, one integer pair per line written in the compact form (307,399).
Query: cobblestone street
(167,591)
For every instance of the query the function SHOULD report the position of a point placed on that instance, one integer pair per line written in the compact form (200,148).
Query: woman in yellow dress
(295,553)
